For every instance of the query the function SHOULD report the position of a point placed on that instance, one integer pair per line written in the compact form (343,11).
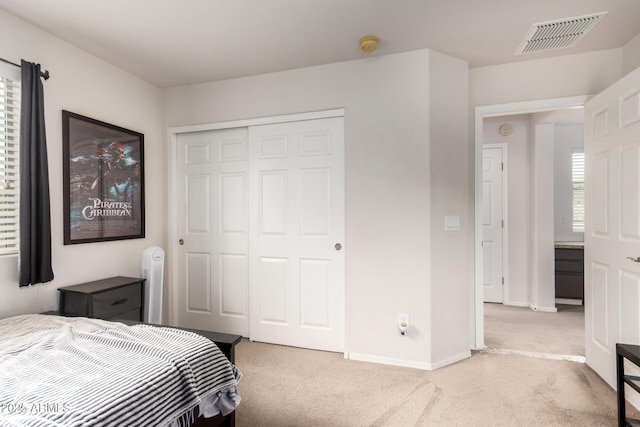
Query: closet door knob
(338,246)
(181,242)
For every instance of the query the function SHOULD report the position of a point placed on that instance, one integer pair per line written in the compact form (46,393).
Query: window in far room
(577,182)
(9,160)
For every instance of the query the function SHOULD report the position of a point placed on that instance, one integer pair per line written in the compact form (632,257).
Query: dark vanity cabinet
(569,271)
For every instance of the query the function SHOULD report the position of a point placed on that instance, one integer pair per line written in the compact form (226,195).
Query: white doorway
(259,229)
(481,114)
(494,238)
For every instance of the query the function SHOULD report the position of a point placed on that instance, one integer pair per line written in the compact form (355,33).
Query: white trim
(544,309)
(172,220)
(548,356)
(482,112)
(505,216)
(518,304)
(339,112)
(408,363)
(10,71)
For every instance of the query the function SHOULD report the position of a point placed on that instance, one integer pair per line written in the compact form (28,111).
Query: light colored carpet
(285,386)
(520,328)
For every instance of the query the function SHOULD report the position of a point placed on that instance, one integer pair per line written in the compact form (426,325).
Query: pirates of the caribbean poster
(104,181)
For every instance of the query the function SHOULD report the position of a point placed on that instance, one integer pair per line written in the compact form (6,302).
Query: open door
(493,222)
(612,229)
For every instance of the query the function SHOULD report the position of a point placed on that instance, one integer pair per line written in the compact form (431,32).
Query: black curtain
(35,216)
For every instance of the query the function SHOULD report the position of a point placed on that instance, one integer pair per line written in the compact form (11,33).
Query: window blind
(9,161)
(577,182)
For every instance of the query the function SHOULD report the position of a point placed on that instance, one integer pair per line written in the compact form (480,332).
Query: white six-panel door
(212,223)
(492,223)
(612,231)
(296,233)
(260,222)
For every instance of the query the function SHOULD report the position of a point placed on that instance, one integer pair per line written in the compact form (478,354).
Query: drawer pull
(120,301)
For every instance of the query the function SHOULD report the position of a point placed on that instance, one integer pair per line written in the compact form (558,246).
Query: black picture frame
(103,181)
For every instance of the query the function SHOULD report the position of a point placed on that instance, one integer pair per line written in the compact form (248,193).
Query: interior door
(297,231)
(492,223)
(612,229)
(212,224)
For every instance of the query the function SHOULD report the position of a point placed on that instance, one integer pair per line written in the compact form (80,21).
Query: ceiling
(177,42)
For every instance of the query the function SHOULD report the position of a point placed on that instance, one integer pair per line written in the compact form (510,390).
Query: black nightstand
(112,298)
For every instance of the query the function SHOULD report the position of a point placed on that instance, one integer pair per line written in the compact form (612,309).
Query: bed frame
(225,342)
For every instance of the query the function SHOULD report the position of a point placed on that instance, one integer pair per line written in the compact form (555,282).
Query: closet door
(212,263)
(297,258)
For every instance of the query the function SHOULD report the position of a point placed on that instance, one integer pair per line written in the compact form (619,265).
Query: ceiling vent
(560,34)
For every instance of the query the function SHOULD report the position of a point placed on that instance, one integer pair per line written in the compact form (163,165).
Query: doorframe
(505,214)
(172,205)
(482,112)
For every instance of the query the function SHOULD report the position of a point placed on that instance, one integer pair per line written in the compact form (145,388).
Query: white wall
(568,138)
(449,182)
(520,204)
(83,84)
(558,77)
(542,278)
(391,144)
(631,55)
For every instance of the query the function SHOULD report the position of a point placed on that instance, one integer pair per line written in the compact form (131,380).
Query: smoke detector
(369,44)
(559,34)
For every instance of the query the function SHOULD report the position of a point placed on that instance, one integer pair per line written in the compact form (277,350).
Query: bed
(76,371)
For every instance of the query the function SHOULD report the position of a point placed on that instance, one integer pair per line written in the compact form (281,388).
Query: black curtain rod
(44,75)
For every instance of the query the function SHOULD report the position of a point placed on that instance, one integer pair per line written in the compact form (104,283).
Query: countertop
(569,245)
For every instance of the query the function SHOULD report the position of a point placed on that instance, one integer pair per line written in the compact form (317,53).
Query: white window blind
(577,182)
(9,160)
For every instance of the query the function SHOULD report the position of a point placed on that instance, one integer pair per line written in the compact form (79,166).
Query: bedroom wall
(558,77)
(86,85)
(449,175)
(631,55)
(389,181)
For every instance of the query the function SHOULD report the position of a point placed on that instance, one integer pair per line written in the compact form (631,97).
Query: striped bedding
(59,371)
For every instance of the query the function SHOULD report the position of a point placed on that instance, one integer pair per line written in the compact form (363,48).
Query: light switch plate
(452,223)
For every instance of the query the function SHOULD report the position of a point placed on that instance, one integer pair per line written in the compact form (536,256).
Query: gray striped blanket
(58,371)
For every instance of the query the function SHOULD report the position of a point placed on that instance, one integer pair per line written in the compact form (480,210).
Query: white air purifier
(152,270)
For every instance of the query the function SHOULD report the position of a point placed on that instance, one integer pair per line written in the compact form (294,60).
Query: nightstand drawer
(111,303)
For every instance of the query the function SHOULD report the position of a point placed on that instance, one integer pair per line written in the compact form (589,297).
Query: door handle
(338,246)
(634,259)
(181,242)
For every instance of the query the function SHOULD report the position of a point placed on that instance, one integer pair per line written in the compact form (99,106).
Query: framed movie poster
(103,172)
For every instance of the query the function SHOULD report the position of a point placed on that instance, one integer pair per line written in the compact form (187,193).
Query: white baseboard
(407,363)
(544,309)
(568,301)
(453,359)
(517,304)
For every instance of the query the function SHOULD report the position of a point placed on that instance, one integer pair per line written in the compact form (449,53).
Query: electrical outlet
(403,323)
(403,319)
